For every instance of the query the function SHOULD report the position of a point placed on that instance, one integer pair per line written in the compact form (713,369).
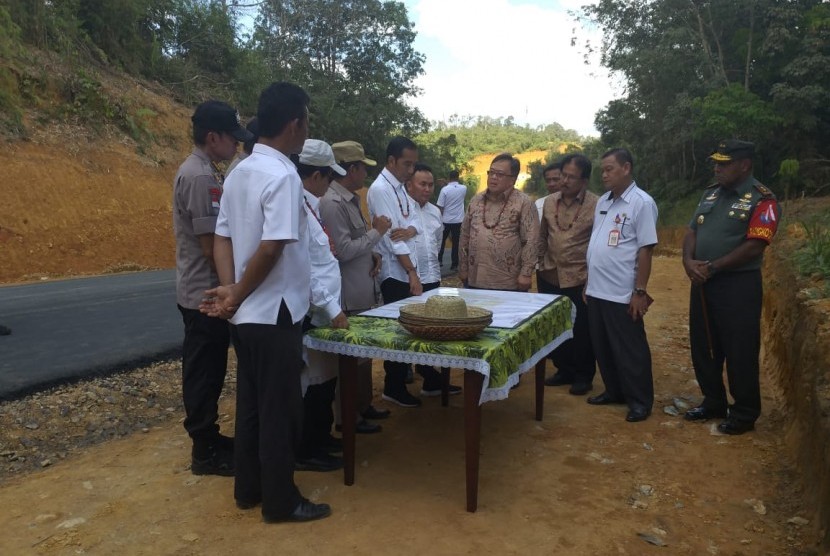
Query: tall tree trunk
(749,44)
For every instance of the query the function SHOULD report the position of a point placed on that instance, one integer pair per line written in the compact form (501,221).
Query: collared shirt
(197,190)
(726,217)
(451,199)
(612,269)
(494,257)
(264,201)
(540,205)
(563,239)
(353,245)
(428,242)
(325,271)
(388,197)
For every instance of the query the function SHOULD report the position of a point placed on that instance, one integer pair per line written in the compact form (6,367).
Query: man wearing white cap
(317,168)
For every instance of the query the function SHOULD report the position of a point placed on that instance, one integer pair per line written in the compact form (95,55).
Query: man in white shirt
(317,168)
(261,253)
(399,278)
(619,266)
(451,204)
(428,222)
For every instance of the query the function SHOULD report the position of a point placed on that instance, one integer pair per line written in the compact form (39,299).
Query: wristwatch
(639,291)
(711,268)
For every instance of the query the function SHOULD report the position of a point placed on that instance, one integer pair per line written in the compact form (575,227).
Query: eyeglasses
(498,175)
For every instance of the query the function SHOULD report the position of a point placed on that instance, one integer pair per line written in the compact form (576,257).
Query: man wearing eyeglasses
(567,221)
(197,191)
(723,249)
(499,233)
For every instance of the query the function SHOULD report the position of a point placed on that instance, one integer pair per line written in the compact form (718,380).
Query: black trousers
(395,380)
(622,352)
(573,358)
(269,412)
(318,414)
(204,364)
(453,230)
(733,303)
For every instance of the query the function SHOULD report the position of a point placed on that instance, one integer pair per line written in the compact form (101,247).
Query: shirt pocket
(357,227)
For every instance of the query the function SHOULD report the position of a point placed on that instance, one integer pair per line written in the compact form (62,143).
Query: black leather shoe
(363,427)
(603,399)
(580,388)
(305,511)
(637,414)
(733,426)
(218,462)
(375,413)
(322,463)
(558,379)
(246,504)
(701,413)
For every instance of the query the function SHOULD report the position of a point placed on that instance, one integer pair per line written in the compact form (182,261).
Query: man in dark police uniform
(722,255)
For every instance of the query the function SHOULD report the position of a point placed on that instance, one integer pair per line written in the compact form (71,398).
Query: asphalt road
(70,329)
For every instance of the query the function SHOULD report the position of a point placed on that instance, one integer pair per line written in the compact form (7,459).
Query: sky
(504,58)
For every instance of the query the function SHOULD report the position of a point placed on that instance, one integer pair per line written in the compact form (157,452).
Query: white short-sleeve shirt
(264,201)
(388,197)
(451,199)
(612,269)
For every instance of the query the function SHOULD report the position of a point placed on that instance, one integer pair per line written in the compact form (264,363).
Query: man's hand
(220,302)
(415,287)
(638,306)
(403,234)
(381,224)
(377,258)
(697,271)
(340,321)
(523,282)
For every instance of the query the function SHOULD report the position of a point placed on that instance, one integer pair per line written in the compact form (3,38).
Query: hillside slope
(81,199)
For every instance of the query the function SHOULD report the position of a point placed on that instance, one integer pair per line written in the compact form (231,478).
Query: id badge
(613,238)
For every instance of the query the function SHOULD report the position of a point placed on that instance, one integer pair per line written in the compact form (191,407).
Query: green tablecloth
(501,354)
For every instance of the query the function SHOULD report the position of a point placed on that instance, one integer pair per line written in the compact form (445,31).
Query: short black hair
(582,162)
(621,155)
(421,167)
(515,166)
(200,135)
(398,145)
(555,165)
(279,104)
(253,127)
(453,175)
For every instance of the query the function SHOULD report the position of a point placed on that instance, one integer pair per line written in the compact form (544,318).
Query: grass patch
(813,258)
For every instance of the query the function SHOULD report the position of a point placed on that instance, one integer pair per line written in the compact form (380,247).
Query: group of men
(282,246)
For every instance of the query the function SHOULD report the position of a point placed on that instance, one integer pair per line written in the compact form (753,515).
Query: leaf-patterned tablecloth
(501,354)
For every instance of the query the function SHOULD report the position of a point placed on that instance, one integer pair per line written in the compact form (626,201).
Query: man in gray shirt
(197,191)
(354,244)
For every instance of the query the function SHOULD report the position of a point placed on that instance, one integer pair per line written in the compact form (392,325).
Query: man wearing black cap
(197,190)
(722,254)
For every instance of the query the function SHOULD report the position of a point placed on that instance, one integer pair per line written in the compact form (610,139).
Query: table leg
(348,408)
(445,386)
(473,382)
(540,388)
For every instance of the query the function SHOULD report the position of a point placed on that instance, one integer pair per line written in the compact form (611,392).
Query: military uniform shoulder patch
(763,189)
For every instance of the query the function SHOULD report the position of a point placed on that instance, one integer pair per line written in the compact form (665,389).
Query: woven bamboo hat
(444,317)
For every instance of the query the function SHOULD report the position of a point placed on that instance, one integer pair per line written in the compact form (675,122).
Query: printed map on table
(509,308)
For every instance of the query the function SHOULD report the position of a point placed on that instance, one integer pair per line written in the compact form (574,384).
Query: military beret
(733,149)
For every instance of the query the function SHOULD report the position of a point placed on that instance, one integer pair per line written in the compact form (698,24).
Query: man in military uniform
(722,254)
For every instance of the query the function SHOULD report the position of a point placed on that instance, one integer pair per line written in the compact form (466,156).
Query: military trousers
(728,333)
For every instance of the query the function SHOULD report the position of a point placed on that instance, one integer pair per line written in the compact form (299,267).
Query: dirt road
(583,481)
